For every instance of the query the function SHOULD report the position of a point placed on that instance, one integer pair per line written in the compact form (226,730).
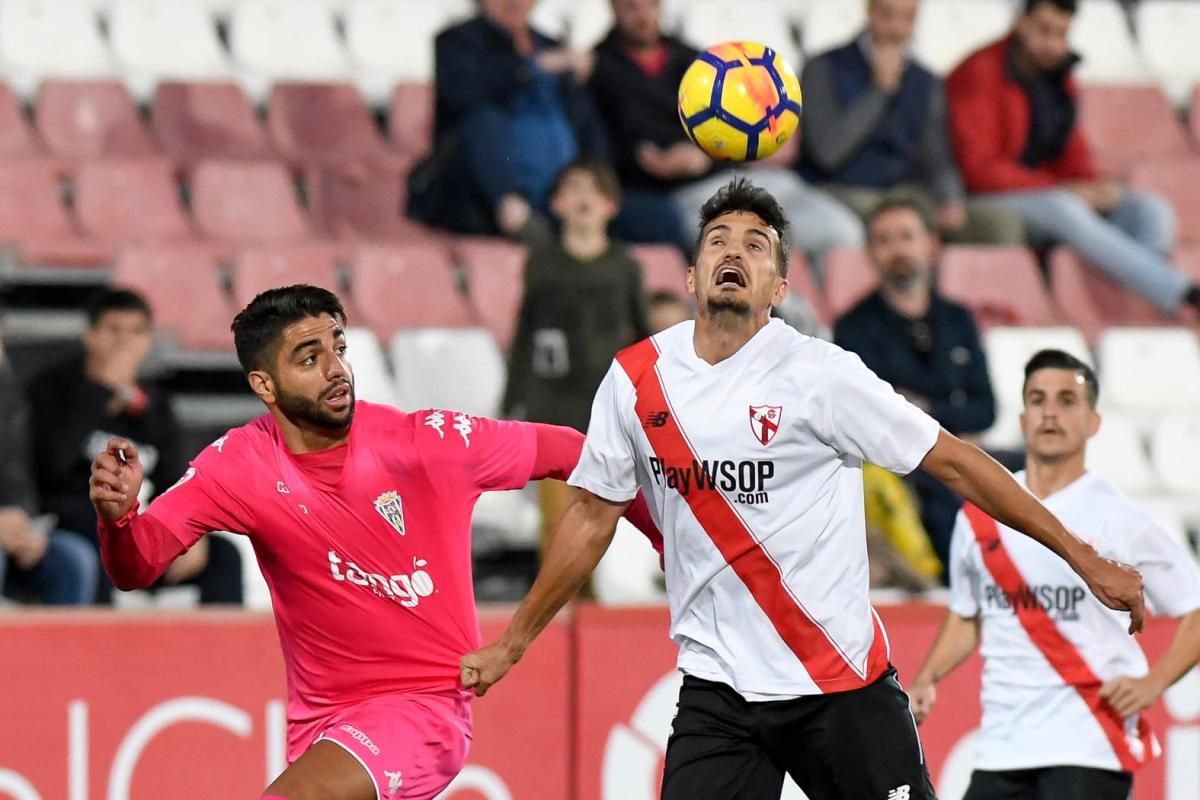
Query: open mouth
(730,276)
(339,397)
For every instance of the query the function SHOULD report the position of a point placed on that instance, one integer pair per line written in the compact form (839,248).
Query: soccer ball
(739,101)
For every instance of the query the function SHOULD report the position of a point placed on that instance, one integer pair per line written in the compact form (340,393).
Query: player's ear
(691,280)
(262,385)
(1093,423)
(781,292)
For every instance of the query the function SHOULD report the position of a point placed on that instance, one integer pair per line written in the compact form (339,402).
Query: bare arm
(579,541)
(956,640)
(1131,695)
(978,478)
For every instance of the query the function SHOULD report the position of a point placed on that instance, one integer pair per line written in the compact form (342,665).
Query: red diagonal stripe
(826,664)
(1057,649)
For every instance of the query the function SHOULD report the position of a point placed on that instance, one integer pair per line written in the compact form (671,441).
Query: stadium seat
(247,201)
(663,268)
(589,22)
(360,204)
(51,38)
(17,139)
(324,123)
(802,282)
(1090,301)
(1148,372)
(1126,125)
(551,17)
(495,272)
(1175,453)
(629,573)
(183,286)
(849,277)
(949,30)
(1100,33)
(707,23)
(373,380)
(391,41)
(35,224)
(131,200)
(196,121)
(449,368)
(403,286)
(93,119)
(1001,285)
(155,41)
(830,23)
(256,269)
(279,40)
(1117,454)
(1177,179)
(410,123)
(1167,33)
(1188,260)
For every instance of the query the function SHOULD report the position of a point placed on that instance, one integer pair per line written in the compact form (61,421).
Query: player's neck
(304,439)
(1044,477)
(721,334)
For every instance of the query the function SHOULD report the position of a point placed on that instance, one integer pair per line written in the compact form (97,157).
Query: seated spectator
(510,113)
(1013,122)
(874,122)
(37,561)
(636,84)
(583,302)
(926,346)
(78,405)
(665,309)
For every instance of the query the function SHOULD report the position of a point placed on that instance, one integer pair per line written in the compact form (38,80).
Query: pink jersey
(370,577)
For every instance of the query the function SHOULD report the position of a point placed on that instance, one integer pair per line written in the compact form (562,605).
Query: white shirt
(767,564)
(1031,718)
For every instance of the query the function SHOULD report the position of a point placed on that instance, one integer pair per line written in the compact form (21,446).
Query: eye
(341,349)
(309,361)
(716,241)
(756,247)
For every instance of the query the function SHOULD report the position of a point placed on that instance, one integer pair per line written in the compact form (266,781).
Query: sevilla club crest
(764,422)
(389,507)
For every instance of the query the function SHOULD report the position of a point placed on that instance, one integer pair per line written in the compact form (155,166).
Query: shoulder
(862,314)
(953,310)
(987,62)
(57,375)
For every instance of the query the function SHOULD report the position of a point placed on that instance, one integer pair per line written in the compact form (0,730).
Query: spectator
(510,112)
(874,122)
(1013,122)
(636,83)
(583,302)
(78,405)
(667,309)
(926,346)
(37,562)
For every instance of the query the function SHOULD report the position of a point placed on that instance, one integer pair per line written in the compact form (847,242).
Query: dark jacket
(16,465)
(953,377)
(71,425)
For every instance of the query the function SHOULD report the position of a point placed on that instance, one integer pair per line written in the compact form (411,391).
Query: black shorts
(856,745)
(1050,783)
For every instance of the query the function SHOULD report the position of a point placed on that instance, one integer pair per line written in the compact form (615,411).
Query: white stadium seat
(1167,34)
(588,22)
(708,23)
(1175,451)
(155,41)
(458,369)
(372,377)
(1100,33)
(1149,371)
(275,40)
(1116,453)
(550,17)
(51,38)
(949,30)
(392,41)
(629,573)
(830,23)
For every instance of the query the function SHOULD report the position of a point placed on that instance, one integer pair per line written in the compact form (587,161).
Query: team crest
(389,507)
(764,422)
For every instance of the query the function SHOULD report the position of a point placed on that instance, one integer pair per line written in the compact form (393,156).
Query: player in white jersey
(748,439)
(1063,685)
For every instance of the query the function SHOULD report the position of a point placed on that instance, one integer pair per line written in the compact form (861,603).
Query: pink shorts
(412,745)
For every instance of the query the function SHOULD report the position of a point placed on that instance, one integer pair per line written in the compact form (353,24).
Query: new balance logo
(900,793)
(657,419)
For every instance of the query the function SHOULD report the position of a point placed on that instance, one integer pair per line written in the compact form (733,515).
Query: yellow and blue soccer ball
(739,101)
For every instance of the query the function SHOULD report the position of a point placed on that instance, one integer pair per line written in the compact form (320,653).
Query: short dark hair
(116,298)
(1066,6)
(257,328)
(1058,359)
(740,194)
(606,179)
(890,204)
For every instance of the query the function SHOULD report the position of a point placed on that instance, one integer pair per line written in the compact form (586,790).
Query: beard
(303,410)
(721,304)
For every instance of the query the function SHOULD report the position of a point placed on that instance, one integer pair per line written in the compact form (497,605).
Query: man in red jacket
(1013,124)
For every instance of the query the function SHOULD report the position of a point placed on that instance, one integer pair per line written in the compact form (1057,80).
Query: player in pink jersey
(360,516)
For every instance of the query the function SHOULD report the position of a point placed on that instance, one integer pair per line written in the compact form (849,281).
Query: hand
(512,213)
(188,565)
(482,669)
(653,160)
(887,64)
(685,160)
(1102,195)
(114,485)
(1129,696)
(951,216)
(921,699)
(1115,585)
(559,60)
(14,529)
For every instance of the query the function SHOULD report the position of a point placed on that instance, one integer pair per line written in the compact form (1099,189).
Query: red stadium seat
(1179,181)
(1001,285)
(402,286)
(849,277)
(1188,260)
(495,282)
(17,138)
(257,269)
(131,200)
(1129,124)
(196,121)
(410,124)
(1091,302)
(801,281)
(247,201)
(323,123)
(34,221)
(663,268)
(360,203)
(90,119)
(183,287)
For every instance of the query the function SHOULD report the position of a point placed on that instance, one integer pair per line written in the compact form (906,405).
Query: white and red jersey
(1048,644)
(752,471)
(367,552)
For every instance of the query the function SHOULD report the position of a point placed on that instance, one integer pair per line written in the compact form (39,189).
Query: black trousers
(856,745)
(1050,783)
